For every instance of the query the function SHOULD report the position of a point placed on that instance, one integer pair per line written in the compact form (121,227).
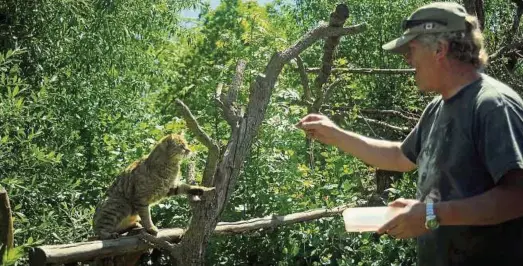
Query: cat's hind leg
(144,211)
(109,216)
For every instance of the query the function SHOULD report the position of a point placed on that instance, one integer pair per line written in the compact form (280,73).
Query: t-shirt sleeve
(500,140)
(411,145)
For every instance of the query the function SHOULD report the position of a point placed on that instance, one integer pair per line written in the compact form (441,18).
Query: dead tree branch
(88,251)
(365,70)
(214,150)
(506,49)
(404,115)
(193,125)
(232,94)
(277,220)
(386,125)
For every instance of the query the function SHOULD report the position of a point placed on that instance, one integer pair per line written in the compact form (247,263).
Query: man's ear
(442,51)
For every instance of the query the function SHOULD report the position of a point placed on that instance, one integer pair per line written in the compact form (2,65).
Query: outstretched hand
(319,127)
(410,222)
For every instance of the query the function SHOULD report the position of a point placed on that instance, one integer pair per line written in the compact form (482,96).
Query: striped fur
(143,183)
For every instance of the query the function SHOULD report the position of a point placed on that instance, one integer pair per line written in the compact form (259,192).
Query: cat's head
(176,145)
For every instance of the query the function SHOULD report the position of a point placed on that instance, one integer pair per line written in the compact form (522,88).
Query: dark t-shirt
(463,146)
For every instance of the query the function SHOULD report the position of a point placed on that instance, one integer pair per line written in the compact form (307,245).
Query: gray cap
(431,18)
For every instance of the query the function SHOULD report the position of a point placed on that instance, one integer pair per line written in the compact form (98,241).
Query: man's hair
(465,46)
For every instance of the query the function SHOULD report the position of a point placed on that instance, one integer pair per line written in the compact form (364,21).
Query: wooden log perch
(365,70)
(88,251)
(6,224)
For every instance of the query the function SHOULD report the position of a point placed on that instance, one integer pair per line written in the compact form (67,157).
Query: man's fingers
(308,118)
(396,232)
(310,125)
(401,202)
(388,226)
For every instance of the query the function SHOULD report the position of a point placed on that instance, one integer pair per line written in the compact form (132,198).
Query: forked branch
(197,130)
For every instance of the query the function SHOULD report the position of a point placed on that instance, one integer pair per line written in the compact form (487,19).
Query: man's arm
(383,154)
(502,203)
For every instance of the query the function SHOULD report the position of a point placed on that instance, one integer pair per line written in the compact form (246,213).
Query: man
(467,147)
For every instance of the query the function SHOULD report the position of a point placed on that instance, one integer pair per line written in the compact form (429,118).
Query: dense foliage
(88,86)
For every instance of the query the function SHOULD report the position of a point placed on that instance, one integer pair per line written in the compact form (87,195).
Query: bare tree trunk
(6,224)
(224,165)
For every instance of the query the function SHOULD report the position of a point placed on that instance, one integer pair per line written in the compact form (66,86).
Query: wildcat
(145,182)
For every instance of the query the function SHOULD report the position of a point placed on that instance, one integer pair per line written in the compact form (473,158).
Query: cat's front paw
(198,191)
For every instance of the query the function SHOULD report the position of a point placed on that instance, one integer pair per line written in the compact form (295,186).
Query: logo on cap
(429,26)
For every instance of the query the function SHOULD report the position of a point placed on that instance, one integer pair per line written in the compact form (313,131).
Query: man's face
(423,60)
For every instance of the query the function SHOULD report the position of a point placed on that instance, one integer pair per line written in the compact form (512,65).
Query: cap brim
(399,45)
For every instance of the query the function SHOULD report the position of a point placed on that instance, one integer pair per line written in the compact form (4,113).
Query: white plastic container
(368,219)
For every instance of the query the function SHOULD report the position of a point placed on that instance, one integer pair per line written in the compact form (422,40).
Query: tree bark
(6,224)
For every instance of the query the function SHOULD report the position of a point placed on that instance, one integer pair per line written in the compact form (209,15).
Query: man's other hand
(410,222)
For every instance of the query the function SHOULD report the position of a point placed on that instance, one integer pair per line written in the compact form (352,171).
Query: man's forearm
(497,205)
(380,153)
